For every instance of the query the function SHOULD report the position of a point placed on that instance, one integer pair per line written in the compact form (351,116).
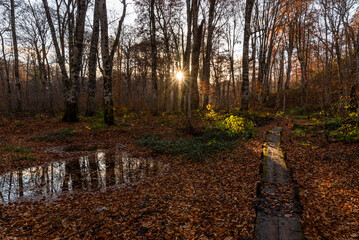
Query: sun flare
(179,76)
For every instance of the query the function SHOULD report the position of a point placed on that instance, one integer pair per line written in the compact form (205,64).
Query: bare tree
(245,64)
(90,110)
(75,51)
(16,56)
(196,48)
(208,53)
(107,59)
(155,97)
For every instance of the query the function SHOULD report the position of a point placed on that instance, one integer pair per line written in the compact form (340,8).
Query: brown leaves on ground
(190,200)
(328,177)
(210,200)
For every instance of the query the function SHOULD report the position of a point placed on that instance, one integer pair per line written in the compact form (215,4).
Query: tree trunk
(289,64)
(7,72)
(196,50)
(357,66)
(155,97)
(207,59)
(245,64)
(90,111)
(107,69)
(280,80)
(107,60)
(16,58)
(71,112)
(187,55)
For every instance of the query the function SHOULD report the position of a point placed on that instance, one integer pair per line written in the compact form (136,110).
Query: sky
(115,6)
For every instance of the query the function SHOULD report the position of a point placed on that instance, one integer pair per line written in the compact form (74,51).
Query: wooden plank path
(276,205)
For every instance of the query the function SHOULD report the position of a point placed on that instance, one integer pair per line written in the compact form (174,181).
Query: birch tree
(245,64)
(108,54)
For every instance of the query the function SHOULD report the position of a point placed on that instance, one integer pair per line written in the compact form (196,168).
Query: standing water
(92,172)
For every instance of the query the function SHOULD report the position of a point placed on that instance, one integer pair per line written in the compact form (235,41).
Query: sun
(179,76)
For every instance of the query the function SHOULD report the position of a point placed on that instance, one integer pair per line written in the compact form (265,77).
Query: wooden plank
(276,220)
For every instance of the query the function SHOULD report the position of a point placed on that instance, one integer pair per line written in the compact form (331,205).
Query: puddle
(97,171)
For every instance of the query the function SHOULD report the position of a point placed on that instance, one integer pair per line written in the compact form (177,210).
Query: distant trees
(254,53)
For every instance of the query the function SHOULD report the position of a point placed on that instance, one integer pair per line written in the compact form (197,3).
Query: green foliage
(101,126)
(164,122)
(17,149)
(40,116)
(347,132)
(18,123)
(125,124)
(257,118)
(301,117)
(299,111)
(234,126)
(98,118)
(22,158)
(60,135)
(196,148)
(342,129)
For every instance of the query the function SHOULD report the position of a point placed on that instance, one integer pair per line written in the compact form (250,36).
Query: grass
(124,124)
(17,149)
(22,158)
(59,135)
(21,153)
(195,148)
(336,127)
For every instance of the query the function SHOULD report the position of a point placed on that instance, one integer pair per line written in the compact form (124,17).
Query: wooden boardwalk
(277,213)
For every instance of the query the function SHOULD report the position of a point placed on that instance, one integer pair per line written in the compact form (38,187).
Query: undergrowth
(337,127)
(221,133)
(59,135)
(196,148)
(18,153)
(17,149)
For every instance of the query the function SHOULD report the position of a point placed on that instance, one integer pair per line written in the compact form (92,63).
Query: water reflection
(94,172)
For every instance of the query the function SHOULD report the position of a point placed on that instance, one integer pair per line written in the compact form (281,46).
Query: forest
(179,119)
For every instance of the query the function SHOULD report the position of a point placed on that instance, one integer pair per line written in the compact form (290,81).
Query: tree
(90,110)
(75,51)
(245,64)
(155,97)
(357,67)
(107,59)
(16,56)
(196,49)
(208,53)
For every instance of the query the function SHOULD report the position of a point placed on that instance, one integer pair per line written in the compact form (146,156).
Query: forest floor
(211,199)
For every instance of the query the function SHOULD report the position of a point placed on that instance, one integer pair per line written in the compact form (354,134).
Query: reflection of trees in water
(110,170)
(86,173)
(75,173)
(10,186)
(65,185)
(94,171)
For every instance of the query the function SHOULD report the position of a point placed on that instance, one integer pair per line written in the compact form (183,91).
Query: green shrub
(347,132)
(234,125)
